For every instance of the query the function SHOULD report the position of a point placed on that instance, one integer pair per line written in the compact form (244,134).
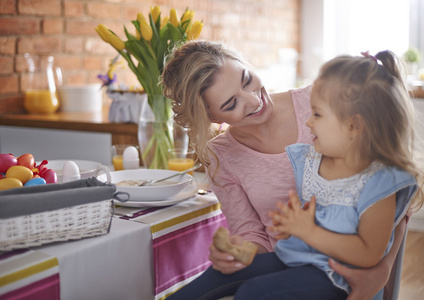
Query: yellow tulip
(137,34)
(195,30)
(188,16)
(174,17)
(141,18)
(103,32)
(146,31)
(165,21)
(116,42)
(155,11)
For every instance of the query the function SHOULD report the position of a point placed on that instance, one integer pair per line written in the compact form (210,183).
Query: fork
(150,182)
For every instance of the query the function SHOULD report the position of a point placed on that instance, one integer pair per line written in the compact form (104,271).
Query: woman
(247,166)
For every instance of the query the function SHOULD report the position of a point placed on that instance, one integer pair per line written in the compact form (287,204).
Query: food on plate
(129,182)
(243,253)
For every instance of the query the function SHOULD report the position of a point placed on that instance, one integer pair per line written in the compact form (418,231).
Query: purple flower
(106,80)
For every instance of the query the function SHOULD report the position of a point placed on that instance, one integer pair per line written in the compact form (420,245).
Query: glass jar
(41,96)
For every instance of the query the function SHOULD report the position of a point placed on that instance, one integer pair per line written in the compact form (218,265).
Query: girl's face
(237,96)
(331,135)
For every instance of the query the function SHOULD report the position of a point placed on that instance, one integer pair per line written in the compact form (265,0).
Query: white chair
(391,291)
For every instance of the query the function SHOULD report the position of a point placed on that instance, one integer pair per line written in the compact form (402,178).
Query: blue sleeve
(384,183)
(297,154)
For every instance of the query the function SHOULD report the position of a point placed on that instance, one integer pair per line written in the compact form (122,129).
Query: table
(145,256)
(117,265)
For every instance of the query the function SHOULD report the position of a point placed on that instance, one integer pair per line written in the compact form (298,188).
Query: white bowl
(161,191)
(87,168)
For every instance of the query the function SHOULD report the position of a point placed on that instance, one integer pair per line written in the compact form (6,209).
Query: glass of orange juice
(180,159)
(118,155)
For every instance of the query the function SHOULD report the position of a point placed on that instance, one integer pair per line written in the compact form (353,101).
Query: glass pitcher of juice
(40,95)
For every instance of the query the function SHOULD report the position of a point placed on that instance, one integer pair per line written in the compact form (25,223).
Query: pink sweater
(253,181)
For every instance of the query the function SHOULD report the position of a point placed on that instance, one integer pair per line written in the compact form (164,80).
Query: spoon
(149,182)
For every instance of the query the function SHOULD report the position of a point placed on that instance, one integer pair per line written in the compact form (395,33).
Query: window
(334,27)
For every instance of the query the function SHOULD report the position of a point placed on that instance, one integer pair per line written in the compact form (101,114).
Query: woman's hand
(365,283)
(225,262)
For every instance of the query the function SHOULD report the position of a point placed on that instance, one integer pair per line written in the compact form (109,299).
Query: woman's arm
(236,207)
(242,219)
(364,249)
(366,283)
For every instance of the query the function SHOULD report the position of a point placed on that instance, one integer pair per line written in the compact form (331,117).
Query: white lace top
(340,203)
(343,191)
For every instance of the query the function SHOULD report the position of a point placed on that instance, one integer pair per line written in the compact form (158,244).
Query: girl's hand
(292,219)
(275,216)
(225,262)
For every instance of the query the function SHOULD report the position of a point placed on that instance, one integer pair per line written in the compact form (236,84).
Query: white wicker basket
(91,216)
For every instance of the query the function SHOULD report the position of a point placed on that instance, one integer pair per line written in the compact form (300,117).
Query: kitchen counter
(122,133)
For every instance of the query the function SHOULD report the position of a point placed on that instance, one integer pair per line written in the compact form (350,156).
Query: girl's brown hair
(373,88)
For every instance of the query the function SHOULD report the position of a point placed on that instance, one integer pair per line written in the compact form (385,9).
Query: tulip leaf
(137,26)
(129,35)
(156,38)
(175,34)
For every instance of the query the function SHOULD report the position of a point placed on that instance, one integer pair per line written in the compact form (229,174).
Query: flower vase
(157,132)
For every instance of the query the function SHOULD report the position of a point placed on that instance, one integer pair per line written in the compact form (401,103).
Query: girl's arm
(364,249)
(366,283)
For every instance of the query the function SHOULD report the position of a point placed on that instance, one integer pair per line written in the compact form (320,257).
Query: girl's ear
(356,126)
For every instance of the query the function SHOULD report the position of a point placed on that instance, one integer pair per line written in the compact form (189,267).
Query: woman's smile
(261,107)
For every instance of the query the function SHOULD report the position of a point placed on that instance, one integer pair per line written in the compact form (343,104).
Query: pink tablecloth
(28,274)
(181,237)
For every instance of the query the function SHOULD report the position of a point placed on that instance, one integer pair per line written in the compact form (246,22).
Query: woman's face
(237,96)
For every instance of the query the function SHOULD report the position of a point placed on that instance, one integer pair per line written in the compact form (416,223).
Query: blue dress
(340,203)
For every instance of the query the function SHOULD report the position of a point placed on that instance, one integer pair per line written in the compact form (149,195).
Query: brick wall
(65,29)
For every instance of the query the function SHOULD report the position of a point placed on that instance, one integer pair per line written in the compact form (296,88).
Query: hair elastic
(368,55)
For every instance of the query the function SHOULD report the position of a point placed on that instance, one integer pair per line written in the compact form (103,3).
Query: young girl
(357,180)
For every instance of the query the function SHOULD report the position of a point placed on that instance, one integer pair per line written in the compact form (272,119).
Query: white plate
(86,167)
(188,192)
(149,193)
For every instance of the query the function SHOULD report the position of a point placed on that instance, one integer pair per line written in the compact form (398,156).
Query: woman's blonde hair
(373,88)
(190,70)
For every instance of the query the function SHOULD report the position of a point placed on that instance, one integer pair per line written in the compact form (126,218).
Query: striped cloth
(181,234)
(28,274)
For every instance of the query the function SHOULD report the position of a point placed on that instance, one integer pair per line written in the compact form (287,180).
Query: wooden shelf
(122,133)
